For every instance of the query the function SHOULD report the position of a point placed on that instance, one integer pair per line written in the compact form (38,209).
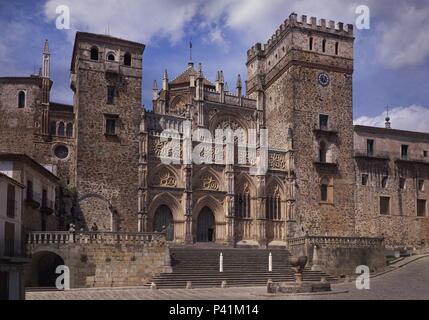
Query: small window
(324,45)
(110,126)
(9,239)
(53,128)
(421,185)
(110,95)
(365,179)
(94,53)
(29,190)
(127,59)
(421,208)
(370,147)
(384,205)
(336,48)
(404,152)
(111,57)
(327,190)
(10,210)
(324,192)
(402,183)
(323,121)
(61,129)
(384,182)
(311,43)
(425,154)
(322,152)
(69,130)
(21,99)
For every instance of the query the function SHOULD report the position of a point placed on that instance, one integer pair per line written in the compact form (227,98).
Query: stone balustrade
(331,241)
(64,237)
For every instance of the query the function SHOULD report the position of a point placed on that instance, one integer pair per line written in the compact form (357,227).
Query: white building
(11,247)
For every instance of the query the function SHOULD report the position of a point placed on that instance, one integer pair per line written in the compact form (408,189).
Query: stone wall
(107,165)
(401,227)
(340,255)
(102,259)
(288,73)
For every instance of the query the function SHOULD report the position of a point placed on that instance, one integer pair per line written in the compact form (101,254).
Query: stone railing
(355,242)
(64,237)
(48,237)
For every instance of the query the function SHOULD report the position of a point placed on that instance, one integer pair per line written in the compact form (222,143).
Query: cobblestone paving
(408,282)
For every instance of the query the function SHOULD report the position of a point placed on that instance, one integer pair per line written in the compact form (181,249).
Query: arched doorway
(44,265)
(164,220)
(206,226)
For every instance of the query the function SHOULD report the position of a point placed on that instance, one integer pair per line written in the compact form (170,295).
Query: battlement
(321,25)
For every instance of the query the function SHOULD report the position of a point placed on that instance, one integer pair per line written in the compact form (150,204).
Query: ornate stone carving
(166,179)
(209,183)
(276,160)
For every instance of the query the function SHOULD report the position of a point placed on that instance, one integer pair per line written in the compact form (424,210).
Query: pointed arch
(213,204)
(164,198)
(165,176)
(208,179)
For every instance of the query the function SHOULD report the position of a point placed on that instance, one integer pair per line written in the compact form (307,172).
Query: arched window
(336,48)
(69,130)
(21,99)
(311,43)
(127,59)
(273,206)
(110,56)
(61,129)
(324,45)
(322,152)
(53,128)
(242,203)
(94,53)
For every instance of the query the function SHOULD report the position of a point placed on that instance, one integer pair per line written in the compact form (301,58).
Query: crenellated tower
(303,78)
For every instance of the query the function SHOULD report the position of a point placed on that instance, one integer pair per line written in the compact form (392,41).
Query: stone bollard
(153,286)
(189,285)
(224,284)
(271,288)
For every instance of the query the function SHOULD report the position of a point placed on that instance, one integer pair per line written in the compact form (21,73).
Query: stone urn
(298,265)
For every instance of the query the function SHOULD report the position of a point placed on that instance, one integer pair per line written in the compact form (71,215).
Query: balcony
(412,159)
(47,208)
(325,131)
(364,153)
(111,67)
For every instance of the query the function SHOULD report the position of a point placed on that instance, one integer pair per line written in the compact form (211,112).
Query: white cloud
(413,118)
(138,20)
(404,40)
(399,30)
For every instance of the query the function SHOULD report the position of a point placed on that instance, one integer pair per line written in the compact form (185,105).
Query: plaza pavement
(409,279)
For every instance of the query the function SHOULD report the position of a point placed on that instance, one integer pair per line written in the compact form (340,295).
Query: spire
(155,91)
(387,124)
(238,86)
(226,87)
(200,71)
(46,60)
(165,80)
(46,47)
(190,63)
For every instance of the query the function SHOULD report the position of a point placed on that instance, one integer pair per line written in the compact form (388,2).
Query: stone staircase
(241,267)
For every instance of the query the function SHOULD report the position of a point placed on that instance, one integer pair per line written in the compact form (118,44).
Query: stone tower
(303,76)
(106,77)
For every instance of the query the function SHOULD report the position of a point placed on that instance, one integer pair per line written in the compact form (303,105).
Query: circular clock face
(323,79)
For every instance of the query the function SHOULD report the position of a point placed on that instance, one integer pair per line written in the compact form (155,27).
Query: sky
(391,57)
